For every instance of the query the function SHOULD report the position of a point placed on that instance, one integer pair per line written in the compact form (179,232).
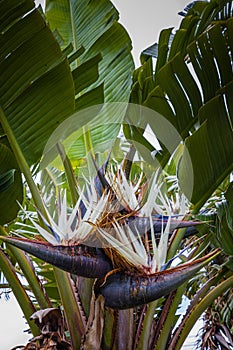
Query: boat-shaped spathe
(77,259)
(142,225)
(123,290)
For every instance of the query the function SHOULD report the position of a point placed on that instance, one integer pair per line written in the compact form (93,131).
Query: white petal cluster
(70,227)
(125,191)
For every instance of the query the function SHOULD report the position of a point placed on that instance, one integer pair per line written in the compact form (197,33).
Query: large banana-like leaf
(173,91)
(208,155)
(36,85)
(11,187)
(195,97)
(211,146)
(93,25)
(177,80)
(146,87)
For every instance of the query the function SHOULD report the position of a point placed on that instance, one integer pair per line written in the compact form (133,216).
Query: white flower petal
(44,233)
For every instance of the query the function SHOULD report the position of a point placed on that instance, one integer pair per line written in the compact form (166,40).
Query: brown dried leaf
(93,337)
(49,320)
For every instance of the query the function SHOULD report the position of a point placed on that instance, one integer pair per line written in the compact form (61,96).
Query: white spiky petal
(69,225)
(125,190)
(125,242)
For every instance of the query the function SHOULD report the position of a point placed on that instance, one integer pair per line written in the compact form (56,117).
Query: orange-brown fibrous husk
(120,262)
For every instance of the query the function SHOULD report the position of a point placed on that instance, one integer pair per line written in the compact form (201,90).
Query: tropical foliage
(119,231)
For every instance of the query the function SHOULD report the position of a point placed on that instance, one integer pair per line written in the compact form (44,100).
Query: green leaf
(6,180)
(156,101)
(192,67)
(135,135)
(224,225)
(229,198)
(220,52)
(211,12)
(198,309)
(71,18)
(86,74)
(11,187)
(94,26)
(160,50)
(90,98)
(200,106)
(208,154)
(182,91)
(36,86)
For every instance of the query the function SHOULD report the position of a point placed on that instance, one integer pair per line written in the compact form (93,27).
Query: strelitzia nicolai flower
(128,268)
(104,224)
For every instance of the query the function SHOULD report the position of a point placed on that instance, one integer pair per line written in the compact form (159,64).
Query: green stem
(146,327)
(199,309)
(22,163)
(85,288)
(109,331)
(28,271)
(74,317)
(69,173)
(88,148)
(170,319)
(175,244)
(128,161)
(84,285)
(19,291)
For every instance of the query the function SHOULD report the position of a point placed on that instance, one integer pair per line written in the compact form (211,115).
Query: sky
(143,21)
